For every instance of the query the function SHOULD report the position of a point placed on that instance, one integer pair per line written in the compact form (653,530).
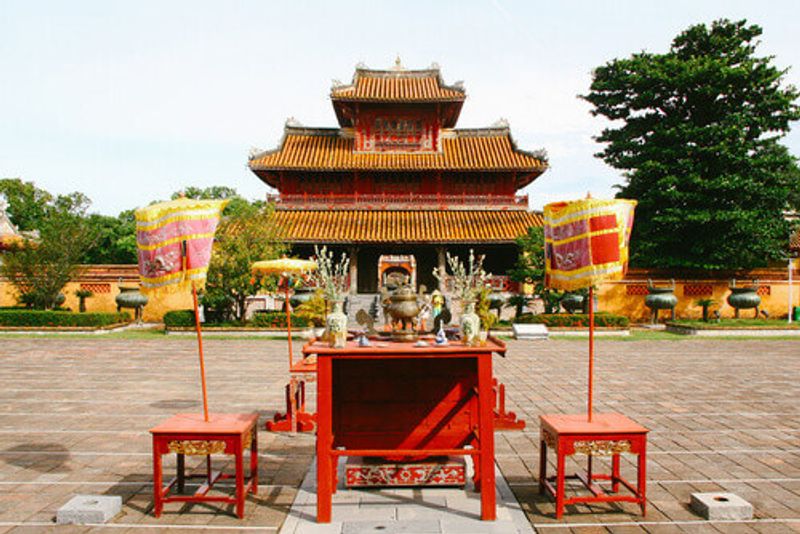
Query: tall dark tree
(696,131)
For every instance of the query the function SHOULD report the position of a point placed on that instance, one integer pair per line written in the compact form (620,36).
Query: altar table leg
(324,441)
(180,472)
(254,460)
(615,473)
(560,481)
(486,437)
(641,484)
(239,479)
(542,465)
(157,480)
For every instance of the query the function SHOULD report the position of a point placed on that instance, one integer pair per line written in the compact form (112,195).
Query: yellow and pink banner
(174,241)
(586,241)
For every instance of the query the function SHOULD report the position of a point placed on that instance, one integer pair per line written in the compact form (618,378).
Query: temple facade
(396,184)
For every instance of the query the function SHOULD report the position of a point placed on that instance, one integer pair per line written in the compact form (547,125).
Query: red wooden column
(324,439)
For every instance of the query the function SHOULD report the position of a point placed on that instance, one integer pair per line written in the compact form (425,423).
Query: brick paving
(724,415)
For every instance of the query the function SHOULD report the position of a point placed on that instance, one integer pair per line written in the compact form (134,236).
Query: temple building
(396,184)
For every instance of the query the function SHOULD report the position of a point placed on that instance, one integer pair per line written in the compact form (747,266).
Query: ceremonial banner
(586,241)
(174,240)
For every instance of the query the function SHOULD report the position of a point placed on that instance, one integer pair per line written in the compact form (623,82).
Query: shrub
(11,317)
(276,319)
(573,320)
(314,310)
(179,318)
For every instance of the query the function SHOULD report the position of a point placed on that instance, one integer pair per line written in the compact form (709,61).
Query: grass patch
(734,324)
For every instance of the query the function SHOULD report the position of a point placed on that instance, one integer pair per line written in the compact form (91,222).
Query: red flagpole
(288,320)
(185,265)
(591,350)
(200,349)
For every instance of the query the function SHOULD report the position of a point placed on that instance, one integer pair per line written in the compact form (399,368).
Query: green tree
(243,237)
(116,239)
(236,203)
(529,268)
(27,204)
(40,269)
(696,131)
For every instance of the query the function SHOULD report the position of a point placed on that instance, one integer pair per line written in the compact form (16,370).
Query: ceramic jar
(470,325)
(337,326)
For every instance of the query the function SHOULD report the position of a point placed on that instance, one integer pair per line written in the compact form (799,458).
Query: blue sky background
(130,101)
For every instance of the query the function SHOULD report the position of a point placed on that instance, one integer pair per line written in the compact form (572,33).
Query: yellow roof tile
(465,150)
(405,226)
(398,86)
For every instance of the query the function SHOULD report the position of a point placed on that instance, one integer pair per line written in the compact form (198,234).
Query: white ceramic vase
(470,325)
(337,326)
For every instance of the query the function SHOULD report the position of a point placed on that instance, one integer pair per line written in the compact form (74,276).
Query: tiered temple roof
(401,122)
(405,226)
(332,149)
(398,85)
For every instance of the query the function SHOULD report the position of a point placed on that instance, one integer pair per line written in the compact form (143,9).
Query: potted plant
(468,280)
(82,295)
(705,304)
(331,277)
(484,311)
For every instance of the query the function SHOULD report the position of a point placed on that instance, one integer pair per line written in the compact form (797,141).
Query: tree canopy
(243,237)
(696,132)
(39,269)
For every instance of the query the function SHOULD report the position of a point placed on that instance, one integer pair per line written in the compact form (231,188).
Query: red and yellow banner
(586,241)
(174,240)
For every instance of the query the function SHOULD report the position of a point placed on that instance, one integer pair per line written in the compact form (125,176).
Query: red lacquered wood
(591,352)
(324,440)
(231,429)
(200,351)
(565,430)
(399,401)
(486,437)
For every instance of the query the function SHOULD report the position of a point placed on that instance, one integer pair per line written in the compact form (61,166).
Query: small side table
(188,433)
(609,434)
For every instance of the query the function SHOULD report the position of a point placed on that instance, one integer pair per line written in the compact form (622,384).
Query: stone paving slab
(74,414)
(405,510)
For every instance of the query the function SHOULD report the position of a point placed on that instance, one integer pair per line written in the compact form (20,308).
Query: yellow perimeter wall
(624,297)
(104,281)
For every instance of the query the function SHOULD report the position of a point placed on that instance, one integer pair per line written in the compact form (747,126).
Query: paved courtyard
(74,415)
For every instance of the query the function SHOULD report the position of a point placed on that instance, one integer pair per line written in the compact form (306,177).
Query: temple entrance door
(394,270)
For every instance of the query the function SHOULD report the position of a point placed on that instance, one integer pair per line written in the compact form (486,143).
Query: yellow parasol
(285,268)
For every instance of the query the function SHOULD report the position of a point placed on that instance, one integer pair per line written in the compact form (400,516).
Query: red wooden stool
(607,434)
(189,434)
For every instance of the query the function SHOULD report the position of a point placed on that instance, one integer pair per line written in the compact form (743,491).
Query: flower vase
(337,326)
(470,325)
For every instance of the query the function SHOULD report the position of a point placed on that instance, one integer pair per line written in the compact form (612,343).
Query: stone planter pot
(131,297)
(660,298)
(573,302)
(742,298)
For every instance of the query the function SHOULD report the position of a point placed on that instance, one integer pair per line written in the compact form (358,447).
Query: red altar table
(606,434)
(399,401)
(189,434)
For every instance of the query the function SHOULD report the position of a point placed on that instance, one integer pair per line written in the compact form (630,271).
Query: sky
(128,102)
